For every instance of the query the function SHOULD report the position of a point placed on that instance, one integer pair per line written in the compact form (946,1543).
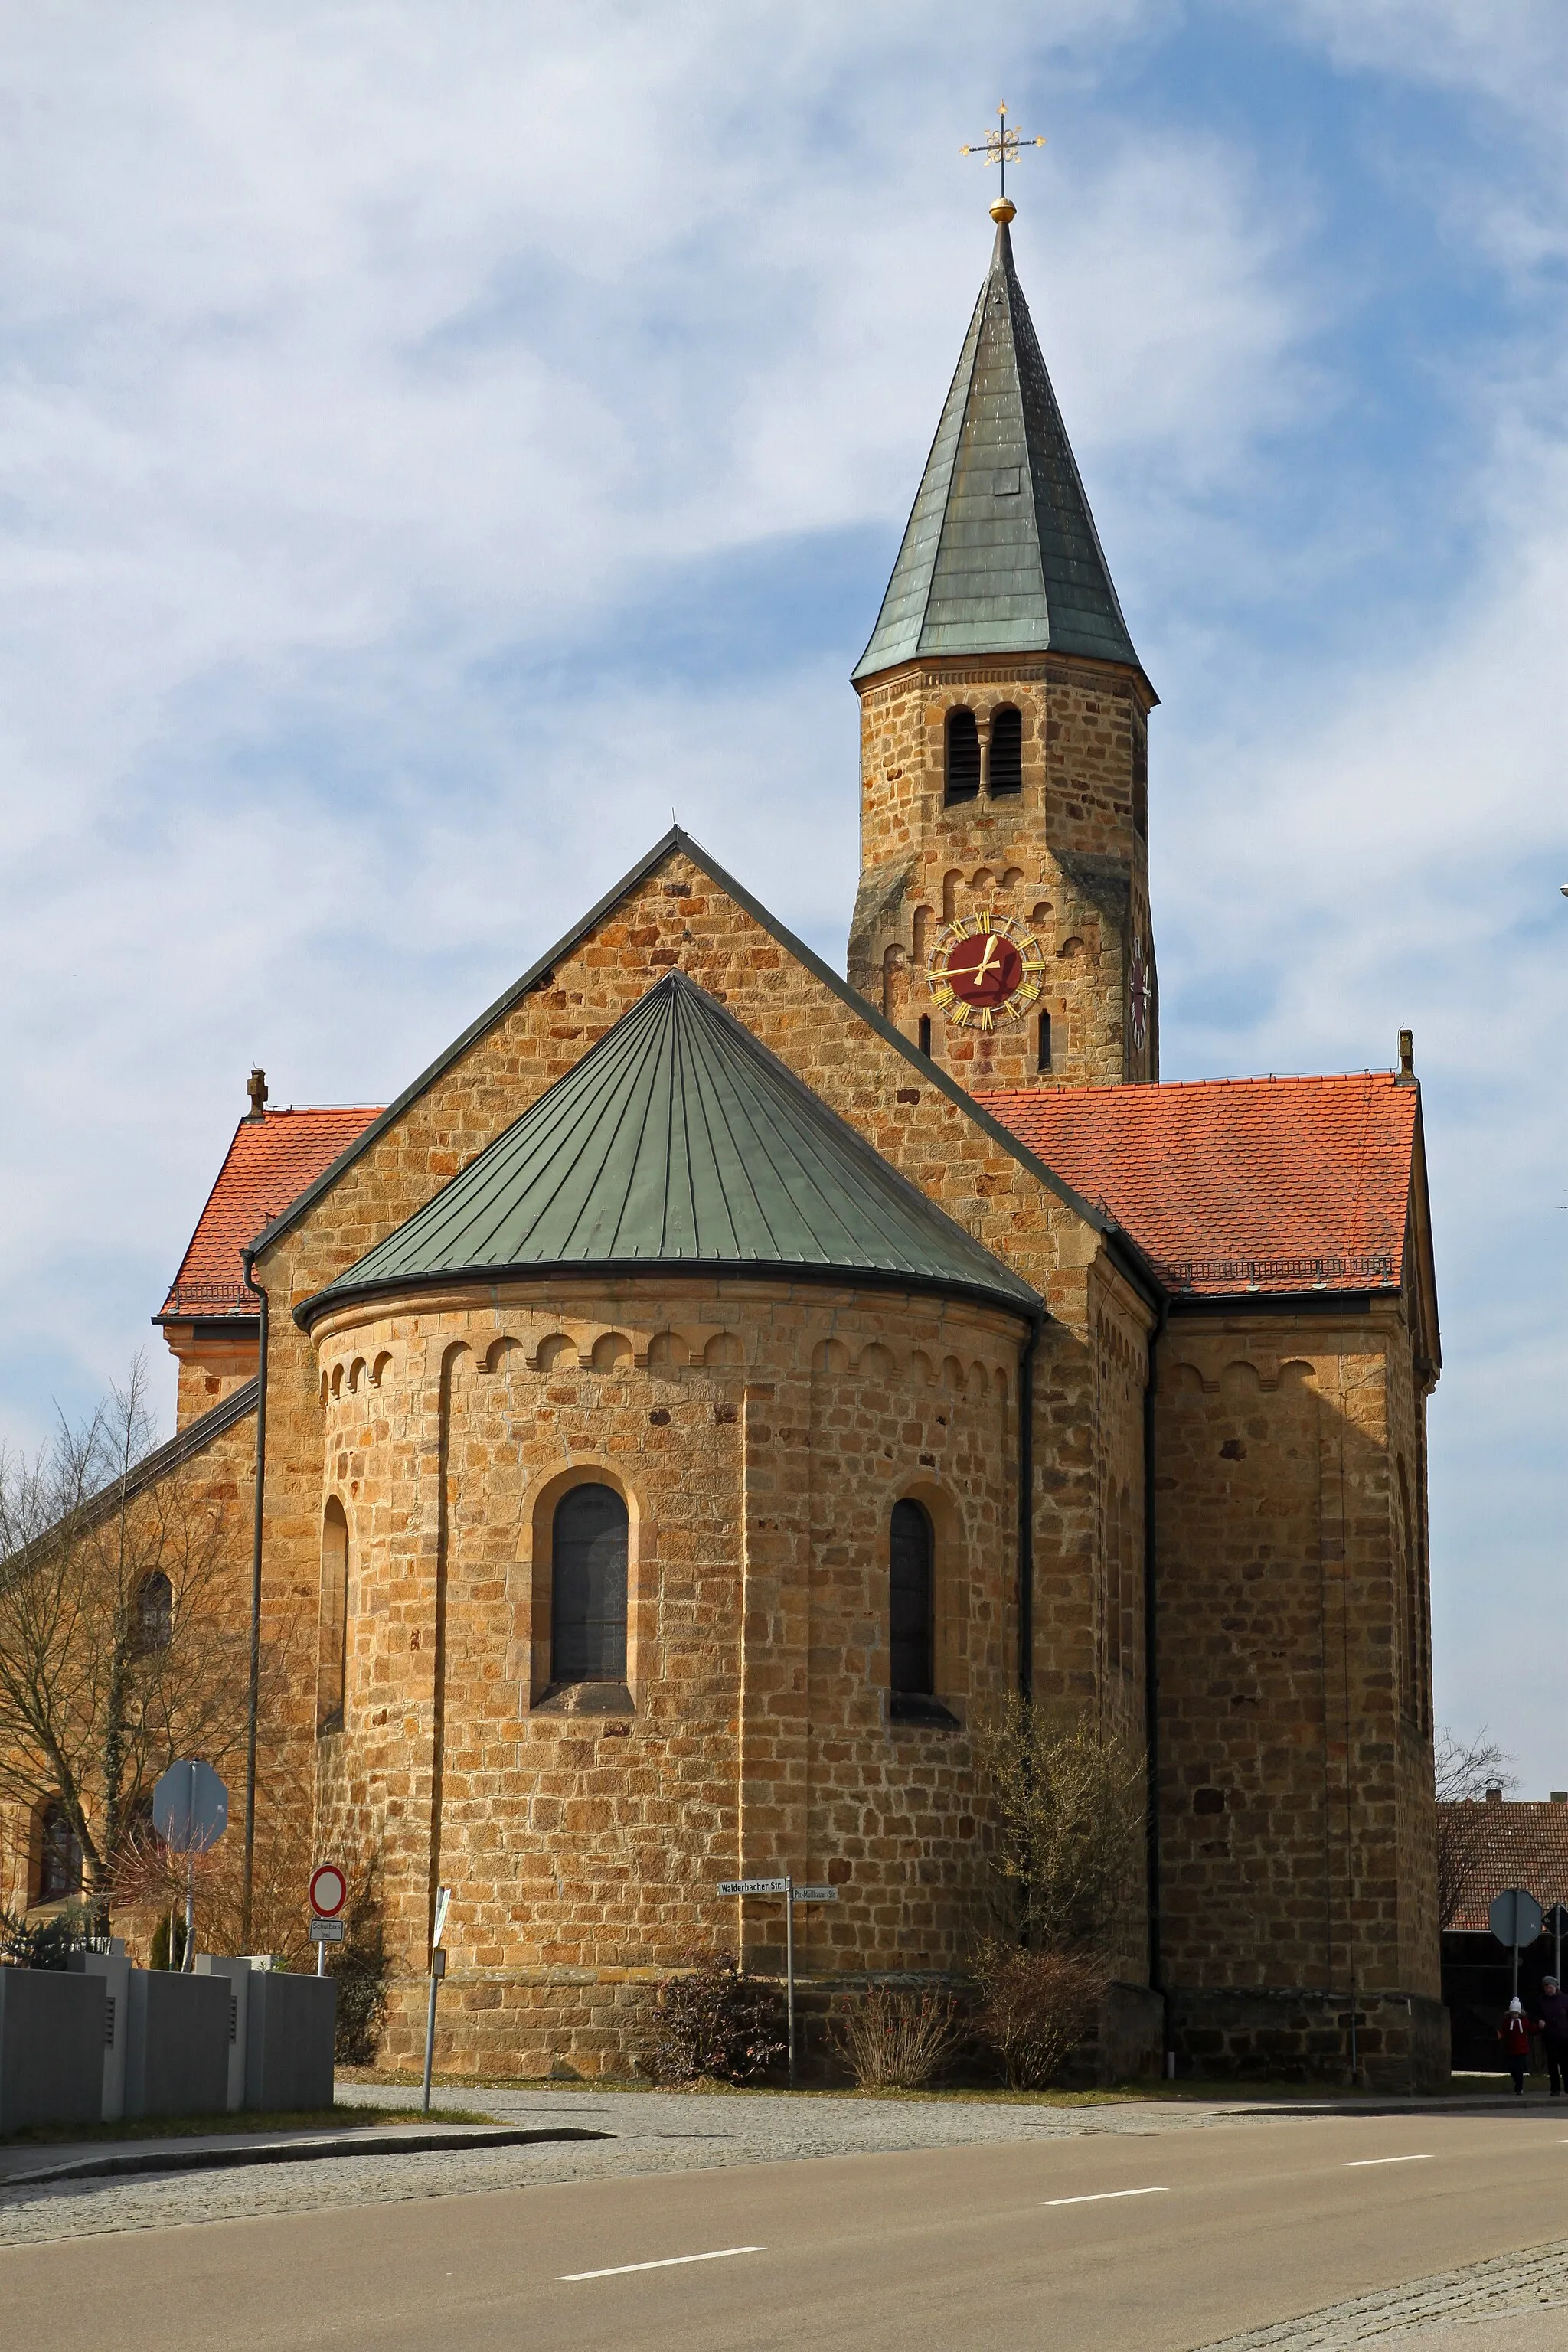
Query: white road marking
(669,2263)
(1364,2163)
(1104,2195)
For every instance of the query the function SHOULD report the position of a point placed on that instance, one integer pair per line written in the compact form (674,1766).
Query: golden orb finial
(1004,210)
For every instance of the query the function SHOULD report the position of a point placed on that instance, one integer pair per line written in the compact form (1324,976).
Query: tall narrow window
(1043,1059)
(59,1855)
(588,1588)
(333,1623)
(155,1627)
(963,756)
(1006,751)
(911,1613)
(925,1033)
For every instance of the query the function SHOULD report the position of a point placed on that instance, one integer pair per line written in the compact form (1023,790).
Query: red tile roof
(1514,1843)
(269,1162)
(1238,1184)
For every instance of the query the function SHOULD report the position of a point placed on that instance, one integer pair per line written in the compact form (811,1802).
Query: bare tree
(1066,1806)
(117,1651)
(1466,1769)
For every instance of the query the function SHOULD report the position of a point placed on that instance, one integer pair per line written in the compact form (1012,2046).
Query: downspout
(1026,1510)
(253,1702)
(1151,1676)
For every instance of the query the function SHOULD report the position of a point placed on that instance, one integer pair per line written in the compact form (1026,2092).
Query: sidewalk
(27,2164)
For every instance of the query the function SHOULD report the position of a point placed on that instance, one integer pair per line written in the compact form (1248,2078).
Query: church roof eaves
(1121,1246)
(681,1144)
(1000,554)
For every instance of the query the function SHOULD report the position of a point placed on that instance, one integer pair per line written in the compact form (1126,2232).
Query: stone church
(714,1379)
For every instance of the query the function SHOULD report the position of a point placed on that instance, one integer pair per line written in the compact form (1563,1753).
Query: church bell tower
(1002,921)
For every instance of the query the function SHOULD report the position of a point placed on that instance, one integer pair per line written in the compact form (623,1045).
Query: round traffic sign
(329,1891)
(190,1808)
(1514,1918)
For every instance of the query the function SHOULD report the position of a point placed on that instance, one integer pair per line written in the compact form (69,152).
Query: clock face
(1140,992)
(985,970)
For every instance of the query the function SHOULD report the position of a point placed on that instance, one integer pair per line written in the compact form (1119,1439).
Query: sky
(437,443)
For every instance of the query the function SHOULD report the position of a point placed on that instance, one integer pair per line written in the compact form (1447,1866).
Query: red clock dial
(985,970)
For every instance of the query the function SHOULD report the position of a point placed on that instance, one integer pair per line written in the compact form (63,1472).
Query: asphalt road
(1151,2244)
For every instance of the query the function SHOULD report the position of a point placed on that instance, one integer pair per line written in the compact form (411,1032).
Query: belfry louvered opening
(1006,749)
(963,756)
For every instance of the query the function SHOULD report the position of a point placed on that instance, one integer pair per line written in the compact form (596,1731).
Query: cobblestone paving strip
(1502,2285)
(654,2132)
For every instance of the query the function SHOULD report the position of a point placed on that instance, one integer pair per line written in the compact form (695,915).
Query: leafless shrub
(1066,1805)
(712,2022)
(898,2040)
(1036,2008)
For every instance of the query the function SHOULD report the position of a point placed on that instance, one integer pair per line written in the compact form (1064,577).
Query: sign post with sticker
(791,1894)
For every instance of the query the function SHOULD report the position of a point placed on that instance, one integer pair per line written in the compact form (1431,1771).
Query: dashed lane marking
(668,2262)
(1366,2163)
(1104,2195)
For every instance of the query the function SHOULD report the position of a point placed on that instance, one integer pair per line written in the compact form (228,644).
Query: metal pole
(430,2039)
(438,1970)
(789,1970)
(188,1963)
(248,1260)
(321,1959)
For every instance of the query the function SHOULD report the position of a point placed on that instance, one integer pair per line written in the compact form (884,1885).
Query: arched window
(910,1611)
(59,1855)
(333,1623)
(155,1623)
(963,756)
(1006,751)
(588,1588)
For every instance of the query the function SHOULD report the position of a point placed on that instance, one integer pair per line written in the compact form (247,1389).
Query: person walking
(1514,2033)
(1555,2025)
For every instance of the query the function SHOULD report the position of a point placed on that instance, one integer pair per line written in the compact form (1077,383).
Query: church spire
(1000,554)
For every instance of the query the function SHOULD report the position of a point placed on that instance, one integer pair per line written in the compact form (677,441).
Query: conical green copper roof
(679,1142)
(1000,554)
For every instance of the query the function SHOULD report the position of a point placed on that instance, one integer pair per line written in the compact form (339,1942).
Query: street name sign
(753,1886)
(814,1894)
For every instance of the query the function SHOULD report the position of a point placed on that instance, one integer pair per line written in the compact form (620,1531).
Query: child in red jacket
(1514,2033)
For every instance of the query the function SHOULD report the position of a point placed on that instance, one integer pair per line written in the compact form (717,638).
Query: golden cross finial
(1003,146)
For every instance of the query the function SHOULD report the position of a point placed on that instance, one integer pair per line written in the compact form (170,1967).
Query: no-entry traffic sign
(329,1891)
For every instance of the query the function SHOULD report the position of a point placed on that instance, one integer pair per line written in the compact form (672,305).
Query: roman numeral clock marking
(985,970)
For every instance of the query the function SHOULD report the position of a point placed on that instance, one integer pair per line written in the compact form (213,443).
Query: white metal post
(438,1970)
(789,1970)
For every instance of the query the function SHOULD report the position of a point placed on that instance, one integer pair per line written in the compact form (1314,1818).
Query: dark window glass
(910,1611)
(1044,1063)
(155,1614)
(588,1588)
(963,756)
(1007,751)
(60,1859)
(925,1033)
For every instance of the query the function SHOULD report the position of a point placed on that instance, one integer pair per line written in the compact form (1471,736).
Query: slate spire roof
(1000,554)
(679,1142)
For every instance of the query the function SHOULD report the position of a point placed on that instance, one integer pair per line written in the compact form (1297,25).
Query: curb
(400,2142)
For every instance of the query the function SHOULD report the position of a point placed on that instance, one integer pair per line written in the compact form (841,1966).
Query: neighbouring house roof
(269,1162)
(1240,1185)
(679,1142)
(1000,553)
(1515,1844)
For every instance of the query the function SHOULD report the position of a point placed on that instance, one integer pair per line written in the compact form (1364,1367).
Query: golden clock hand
(982,969)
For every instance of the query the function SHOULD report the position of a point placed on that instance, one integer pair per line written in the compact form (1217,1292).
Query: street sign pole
(438,1970)
(789,1968)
